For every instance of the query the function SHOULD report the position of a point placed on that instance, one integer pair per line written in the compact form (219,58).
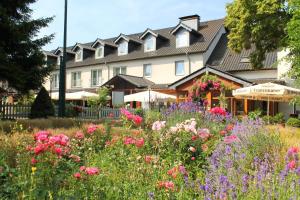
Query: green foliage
(260,23)
(294,122)
(27,98)
(278,118)
(254,114)
(42,106)
(150,117)
(102,98)
(139,112)
(21,58)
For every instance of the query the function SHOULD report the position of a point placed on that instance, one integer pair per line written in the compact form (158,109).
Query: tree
(42,106)
(261,23)
(22,62)
(101,99)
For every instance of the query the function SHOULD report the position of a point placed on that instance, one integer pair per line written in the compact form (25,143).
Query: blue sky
(91,19)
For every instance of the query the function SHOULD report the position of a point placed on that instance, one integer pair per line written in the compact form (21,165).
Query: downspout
(189,59)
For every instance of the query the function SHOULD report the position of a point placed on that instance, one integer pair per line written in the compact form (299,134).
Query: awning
(81,95)
(149,95)
(267,92)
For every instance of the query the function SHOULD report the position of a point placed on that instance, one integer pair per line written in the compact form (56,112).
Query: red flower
(77,175)
(33,161)
(218,111)
(194,137)
(139,142)
(129,140)
(148,159)
(292,164)
(169,185)
(137,120)
(39,149)
(82,168)
(293,150)
(223,132)
(229,127)
(58,150)
(92,171)
(92,128)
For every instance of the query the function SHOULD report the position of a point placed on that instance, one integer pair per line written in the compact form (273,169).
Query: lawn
(183,154)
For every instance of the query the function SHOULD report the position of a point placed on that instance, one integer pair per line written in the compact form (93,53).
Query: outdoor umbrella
(81,95)
(267,92)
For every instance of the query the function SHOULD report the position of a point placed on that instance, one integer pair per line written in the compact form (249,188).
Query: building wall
(163,69)
(256,75)
(287,109)
(283,65)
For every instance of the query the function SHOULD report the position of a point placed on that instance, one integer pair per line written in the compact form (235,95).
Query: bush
(150,117)
(278,118)
(294,122)
(254,114)
(42,106)
(268,119)
(139,112)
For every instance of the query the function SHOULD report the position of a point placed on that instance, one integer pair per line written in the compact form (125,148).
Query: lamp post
(62,70)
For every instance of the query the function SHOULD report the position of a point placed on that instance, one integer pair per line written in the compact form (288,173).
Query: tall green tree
(22,62)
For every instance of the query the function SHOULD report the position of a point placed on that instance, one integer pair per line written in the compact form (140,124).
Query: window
(147,70)
(150,43)
(182,38)
(54,81)
(100,52)
(96,77)
(179,68)
(119,70)
(123,48)
(78,56)
(76,79)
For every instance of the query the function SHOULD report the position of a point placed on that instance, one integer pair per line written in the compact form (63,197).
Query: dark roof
(139,82)
(226,60)
(207,30)
(211,70)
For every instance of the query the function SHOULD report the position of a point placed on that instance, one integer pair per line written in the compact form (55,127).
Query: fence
(11,111)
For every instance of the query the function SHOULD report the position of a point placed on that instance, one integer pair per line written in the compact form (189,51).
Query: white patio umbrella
(147,96)
(81,95)
(267,92)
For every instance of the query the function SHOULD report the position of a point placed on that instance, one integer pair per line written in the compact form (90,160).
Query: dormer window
(123,48)
(150,44)
(100,52)
(182,38)
(78,55)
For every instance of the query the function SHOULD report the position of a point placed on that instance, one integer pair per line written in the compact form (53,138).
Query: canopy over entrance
(267,92)
(81,95)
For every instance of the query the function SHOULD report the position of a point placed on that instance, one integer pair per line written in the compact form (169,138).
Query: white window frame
(148,39)
(54,83)
(176,63)
(144,69)
(77,58)
(98,77)
(182,38)
(96,52)
(120,70)
(123,44)
(76,83)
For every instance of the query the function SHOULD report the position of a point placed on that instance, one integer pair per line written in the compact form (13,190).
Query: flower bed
(207,156)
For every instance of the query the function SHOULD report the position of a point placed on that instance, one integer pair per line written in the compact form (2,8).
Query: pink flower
(77,175)
(91,128)
(58,150)
(293,150)
(148,159)
(139,142)
(223,132)
(292,164)
(230,139)
(82,168)
(169,185)
(33,161)
(54,139)
(92,171)
(137,120)
(64,140)
(192,149)
(79,135)
(218,111)
(193,158)
(40,148)
(42,136)
(158,125)
(129,140)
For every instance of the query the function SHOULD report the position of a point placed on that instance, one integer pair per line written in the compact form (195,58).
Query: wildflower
(193,158)
(169,185)
(33,169)
(79,135)
(192,149)
(230,139)
(33,161)
(77,175)
(292,164)
(92,170)
(148,159)
(204,147)
(82,168)
(139,142)
(92,128)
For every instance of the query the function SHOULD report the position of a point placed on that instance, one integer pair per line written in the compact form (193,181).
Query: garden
(183,153)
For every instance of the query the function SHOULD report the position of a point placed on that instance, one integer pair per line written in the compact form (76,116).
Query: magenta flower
(230,139)
(91,128)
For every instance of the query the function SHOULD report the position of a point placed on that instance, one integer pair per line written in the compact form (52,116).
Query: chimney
(191,21)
